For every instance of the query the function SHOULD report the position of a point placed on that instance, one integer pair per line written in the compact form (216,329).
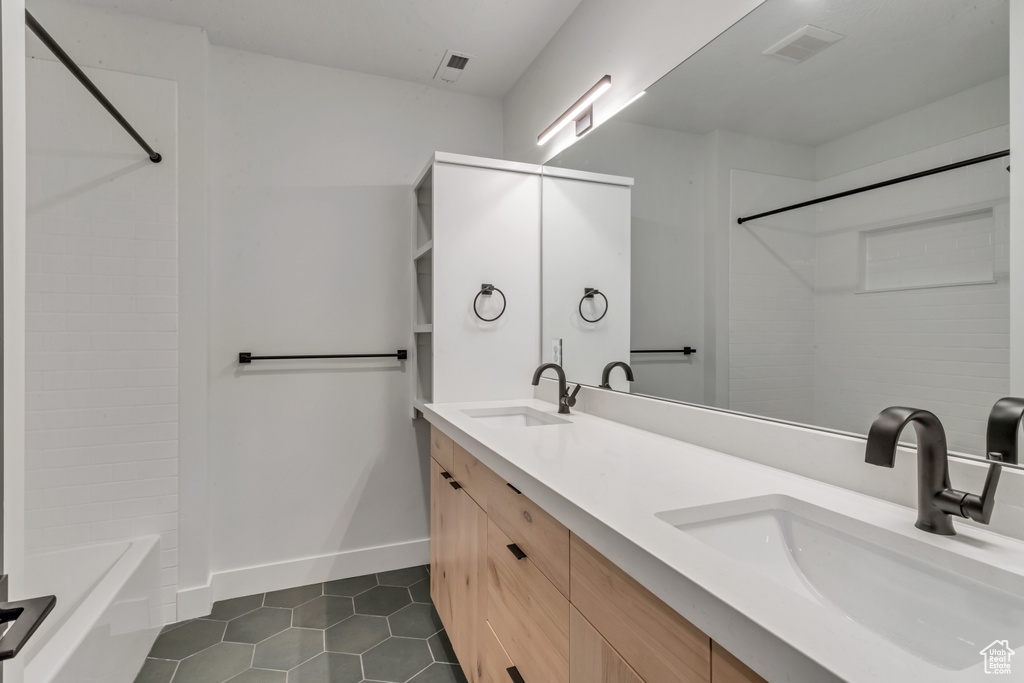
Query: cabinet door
(441,521)
(591,658)
(725,668)
(469,549)
(458,542)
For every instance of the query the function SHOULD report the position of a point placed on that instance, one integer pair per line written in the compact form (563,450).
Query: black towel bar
(247,357)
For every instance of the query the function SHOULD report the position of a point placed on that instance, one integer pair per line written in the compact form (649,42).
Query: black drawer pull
(514,674)
(517,551)
(446,475)
(455,485)
(514,489)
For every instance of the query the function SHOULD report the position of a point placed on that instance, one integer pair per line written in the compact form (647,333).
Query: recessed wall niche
(953,249)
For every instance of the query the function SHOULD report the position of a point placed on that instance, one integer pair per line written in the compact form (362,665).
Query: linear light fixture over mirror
(573,112)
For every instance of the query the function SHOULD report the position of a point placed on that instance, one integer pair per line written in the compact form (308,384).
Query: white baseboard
(194,602)
(234,583)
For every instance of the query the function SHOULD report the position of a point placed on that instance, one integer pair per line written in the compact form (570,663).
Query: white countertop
(607,481)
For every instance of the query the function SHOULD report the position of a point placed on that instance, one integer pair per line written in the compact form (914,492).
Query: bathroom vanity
(521,595)
(575,548)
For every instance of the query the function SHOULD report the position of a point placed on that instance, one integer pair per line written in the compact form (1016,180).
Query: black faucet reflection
(1003,428)
(936,501)
(606,374)
(565,399)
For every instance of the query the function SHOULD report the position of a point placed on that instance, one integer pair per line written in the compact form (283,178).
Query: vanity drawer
(441,448)
(475,477)
(528,614)
(653,638)
(542,537)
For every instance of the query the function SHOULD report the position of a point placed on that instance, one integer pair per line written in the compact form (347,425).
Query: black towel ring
(589,293)
(487,290)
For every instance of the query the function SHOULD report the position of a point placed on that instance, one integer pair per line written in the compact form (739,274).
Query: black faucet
(1003,426)
(936,501)
(606,374)
(565,399)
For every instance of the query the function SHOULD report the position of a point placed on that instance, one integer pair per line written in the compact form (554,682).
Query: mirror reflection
(822,315)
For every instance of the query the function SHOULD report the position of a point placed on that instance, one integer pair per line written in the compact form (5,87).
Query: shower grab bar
(246,357)
(66,60)
(884,183)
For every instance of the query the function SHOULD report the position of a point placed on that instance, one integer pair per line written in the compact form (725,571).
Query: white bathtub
(107,615)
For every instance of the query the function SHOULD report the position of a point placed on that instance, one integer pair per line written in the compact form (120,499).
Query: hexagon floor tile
(309,634)
(382,601)
(397,659)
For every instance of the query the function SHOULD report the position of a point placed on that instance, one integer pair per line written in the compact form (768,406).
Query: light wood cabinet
(591,658)
(528,614)
(541,536)
(659,643)
(725,668)
(442,449)
(494,661)
(478,479)
(441,512)
(510,618)
(457,565)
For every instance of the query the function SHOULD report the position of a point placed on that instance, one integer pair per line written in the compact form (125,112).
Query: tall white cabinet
(479,222)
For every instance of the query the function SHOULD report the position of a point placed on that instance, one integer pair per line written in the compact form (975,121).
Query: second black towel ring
(590,293)
(487,290)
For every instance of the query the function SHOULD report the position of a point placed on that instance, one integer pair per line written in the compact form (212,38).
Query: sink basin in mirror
(937,605)
(513,417)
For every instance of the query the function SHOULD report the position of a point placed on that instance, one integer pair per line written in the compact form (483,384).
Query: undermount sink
(513,417)
(937,605)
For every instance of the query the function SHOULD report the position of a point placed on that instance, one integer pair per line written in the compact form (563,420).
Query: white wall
(133,44)
(101,353)
(311,209)
(635,43)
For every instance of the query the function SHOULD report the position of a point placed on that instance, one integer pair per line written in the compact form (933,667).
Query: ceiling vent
(452,66)
(803,44)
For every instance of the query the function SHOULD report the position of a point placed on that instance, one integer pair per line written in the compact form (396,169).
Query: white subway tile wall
(808,344)
(102,340)
(951,249)
(771,300)
(945,349)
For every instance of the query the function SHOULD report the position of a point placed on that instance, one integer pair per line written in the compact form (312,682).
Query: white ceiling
(403,39)
(897,55)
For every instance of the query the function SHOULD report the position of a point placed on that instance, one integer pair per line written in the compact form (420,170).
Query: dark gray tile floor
(376,628)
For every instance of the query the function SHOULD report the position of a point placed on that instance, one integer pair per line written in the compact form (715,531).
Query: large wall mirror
(827,314)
